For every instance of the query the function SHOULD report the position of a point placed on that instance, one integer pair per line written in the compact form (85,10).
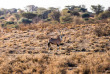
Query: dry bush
(83,63)
(102,30)
(25,64)
(78,20)
(45,27)
(96,63)
(28,27)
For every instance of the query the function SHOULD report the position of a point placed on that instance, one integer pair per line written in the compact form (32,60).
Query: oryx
(56,41)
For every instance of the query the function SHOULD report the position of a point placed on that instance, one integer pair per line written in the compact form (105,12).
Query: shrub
(29,15)
(2,25)
(54,15)
(9,22)
(65,19)
(2,17)
(25,21)
(85,15)
(104,15)
(65,12)
(83,10)
(86,19)
(78,20)
(16,26)
(48,19)
(17,16)
(102,30)
(91,21)
(13,26)
(75,13)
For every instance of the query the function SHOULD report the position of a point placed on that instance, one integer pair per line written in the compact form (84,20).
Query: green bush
(48,19)
(25,21)
(6,24)
(54,15)
(2,17)
(83,9)
(29,15)
(9,26)
(16,26)
(65,19)
(86,19)
(2,25)
(9,22)
(65,12)
(85,15)
(75,13)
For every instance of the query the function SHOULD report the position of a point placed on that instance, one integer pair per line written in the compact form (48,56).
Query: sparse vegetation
(85,47)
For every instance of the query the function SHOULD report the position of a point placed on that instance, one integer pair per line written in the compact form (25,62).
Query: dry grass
(79,63)
(102,30)
(82,51)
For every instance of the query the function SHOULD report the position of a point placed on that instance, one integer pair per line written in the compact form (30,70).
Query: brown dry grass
(82,51)
(77,63)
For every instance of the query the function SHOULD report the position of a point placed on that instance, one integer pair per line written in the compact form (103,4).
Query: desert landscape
(82,51)
(39,40)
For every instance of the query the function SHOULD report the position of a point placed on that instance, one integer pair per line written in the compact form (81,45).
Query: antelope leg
(57,47)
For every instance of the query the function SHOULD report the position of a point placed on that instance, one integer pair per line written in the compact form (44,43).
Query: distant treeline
(33,14)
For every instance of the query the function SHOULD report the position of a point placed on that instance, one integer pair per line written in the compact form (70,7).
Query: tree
(66,12)
(104,15)
(97,9)
(53,9)
(19,11)
(17,16)
(108,9)
(4,11)
(1,12)
(13,10)
(45,14)
(68,7)
(83,9)
(82,6)
(40,12)
(54,15)
(31,8)
(71,8)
